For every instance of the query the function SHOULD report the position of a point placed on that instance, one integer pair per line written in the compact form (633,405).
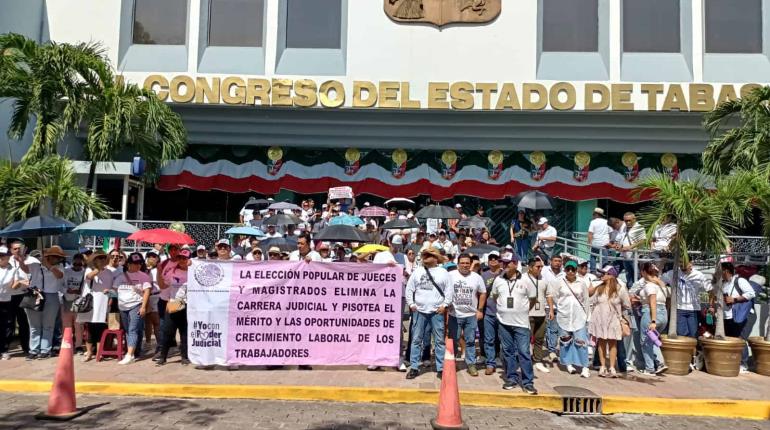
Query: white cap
(599,211)
(223,242)
(200,248)
(458,205)
(4,250)
(542,221)
(367,204)
(757,279)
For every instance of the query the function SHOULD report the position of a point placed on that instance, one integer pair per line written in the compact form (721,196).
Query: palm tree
(123,117)
(49,186)
(704,215)
(48,82)
(740,134)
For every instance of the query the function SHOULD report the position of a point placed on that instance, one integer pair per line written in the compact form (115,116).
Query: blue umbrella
(245,230)
(37,226)
(105,227)
(346,220)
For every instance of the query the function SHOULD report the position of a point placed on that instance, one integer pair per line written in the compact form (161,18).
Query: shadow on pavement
(361,424)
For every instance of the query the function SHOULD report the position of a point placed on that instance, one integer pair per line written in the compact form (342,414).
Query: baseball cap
(508,247)
(542,221)
(442,231)
(609,270)
(223,242)
(493,254)
(508,257)
(366,204)
(572,264)
(184,253)
(323,245)
(135,258)
(4,251)
(274,250)
(458,205)
(200,248)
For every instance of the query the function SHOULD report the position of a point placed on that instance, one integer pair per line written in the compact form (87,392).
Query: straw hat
(54,251)
(96,254)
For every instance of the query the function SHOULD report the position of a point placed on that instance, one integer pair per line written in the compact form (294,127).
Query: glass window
(651,26)
(314,24)
(734,26)
(236,22)
(570,25)
(160,22)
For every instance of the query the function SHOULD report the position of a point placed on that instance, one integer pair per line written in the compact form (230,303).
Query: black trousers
(95,331)
(172,323)
(18,316)
(5,322)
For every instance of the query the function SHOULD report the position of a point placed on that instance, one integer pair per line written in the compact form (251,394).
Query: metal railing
(204,233)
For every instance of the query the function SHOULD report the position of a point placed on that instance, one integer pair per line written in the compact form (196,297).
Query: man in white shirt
(469,291)
(514,299)
(246,215)
(736,290)
(691,284)
(428,293)
(631,238)
(224,251)
(270,233)
(303,251)
(19,260)
(546,239)
(598,238)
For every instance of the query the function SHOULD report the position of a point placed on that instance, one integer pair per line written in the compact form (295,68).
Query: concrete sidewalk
(695,394)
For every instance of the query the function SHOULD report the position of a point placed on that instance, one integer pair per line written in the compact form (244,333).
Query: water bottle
(654,337)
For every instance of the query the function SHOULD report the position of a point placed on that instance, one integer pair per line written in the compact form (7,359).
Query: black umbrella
(37,226)
(534,200)
(282,219)
(256,204)
(437,212)
(284,244)
(399,224)
(341,233)
(482,249)
(476,222)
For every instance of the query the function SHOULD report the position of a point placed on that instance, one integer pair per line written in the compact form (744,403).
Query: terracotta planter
(723,357)
(760,349)
(678,353)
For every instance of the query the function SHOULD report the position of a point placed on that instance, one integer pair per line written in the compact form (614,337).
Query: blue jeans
(628,266)
(515,344)
(134,325)
(593,259)
(436,322)
(490,337)
(687,323)
(574,347)
(551,332)
(468,326)
(41,325)
(522,248)
(650,351)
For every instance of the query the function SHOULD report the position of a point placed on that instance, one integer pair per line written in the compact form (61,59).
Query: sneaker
(613,373)
(509,385)
(87,357)
(412,373)
(156,357)
(661,369)
(553,357)
(6,356)
(489,371)
(402,367)
(439,374)
(31,357)
(184,362)
(646,372)
(571,369)
(585,373)
(44,356)
(128,359)
(160,362)
(541,367)
(529,389)
(472,370)
(744,370)
(372,368)
(602,372)
(630,368)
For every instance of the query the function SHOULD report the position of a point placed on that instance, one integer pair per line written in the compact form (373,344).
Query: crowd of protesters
(528,306)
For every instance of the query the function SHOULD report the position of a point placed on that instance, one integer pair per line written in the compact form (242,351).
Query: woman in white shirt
(152,316)
(570,295)
(175,287)
(11,278)
(134,287)
(98,282)
(652,292)
(46,277)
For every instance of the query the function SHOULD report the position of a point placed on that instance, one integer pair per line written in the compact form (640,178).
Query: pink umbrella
(161,235)
(374,211)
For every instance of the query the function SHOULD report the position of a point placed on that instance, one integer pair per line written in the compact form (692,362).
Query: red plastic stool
(110,336)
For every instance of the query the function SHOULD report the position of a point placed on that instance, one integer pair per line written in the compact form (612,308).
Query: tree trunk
(720,329)
(767,330)
(672,317)
(91,177)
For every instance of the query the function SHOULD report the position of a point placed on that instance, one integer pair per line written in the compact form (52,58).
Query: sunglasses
(256,253)
(114,256)
(570,269)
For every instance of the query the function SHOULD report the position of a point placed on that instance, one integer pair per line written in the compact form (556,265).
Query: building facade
(445,99)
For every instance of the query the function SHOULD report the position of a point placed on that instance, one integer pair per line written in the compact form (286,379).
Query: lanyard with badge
(536,283)
(509,301)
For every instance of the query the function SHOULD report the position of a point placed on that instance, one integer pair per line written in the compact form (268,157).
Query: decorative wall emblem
(582,166)
(631,163)
(448,164)
(352,161)
(442,12)
(495,166)
(537,159)
(399,163)
(670,165)
(275,154)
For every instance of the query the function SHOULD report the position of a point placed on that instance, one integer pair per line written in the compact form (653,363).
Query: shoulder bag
(440,291)
(576,297)
(625,326)
(34,299)
(84,303)
(741,310)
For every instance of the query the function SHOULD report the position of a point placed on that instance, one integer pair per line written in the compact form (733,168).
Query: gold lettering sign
(459,95)
(442,12)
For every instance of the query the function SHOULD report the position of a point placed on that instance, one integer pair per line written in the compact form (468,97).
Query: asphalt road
(17,412)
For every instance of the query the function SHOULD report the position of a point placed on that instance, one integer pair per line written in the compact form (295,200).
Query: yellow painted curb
(744,409)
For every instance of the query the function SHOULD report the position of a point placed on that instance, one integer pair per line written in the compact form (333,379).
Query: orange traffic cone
(61,403)
(449,416)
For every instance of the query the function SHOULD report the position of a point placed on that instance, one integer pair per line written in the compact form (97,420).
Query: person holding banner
(175,318)
(469,291)
(428,293)
(303,251)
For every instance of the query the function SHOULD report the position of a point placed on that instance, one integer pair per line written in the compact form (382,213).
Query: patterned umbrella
(373,211)
(346,220)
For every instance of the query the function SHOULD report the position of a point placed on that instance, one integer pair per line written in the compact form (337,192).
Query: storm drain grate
(579,401)
(596,422)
